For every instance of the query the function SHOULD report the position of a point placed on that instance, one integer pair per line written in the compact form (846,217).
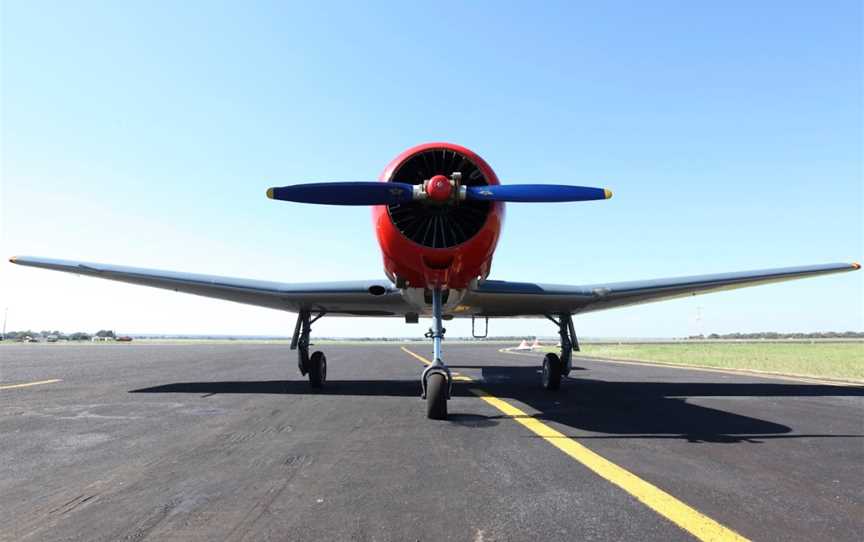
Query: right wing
(355,298)
(501,298)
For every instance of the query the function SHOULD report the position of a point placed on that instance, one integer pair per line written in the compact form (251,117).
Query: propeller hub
(439,189)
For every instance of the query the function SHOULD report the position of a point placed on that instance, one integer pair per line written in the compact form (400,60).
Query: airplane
(437,210)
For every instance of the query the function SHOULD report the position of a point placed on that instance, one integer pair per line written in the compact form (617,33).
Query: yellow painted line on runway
(458,377)
(419,358)
(28,384)
(703,368)
(684,516)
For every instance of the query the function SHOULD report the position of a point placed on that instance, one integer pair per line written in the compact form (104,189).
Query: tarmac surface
(227,442)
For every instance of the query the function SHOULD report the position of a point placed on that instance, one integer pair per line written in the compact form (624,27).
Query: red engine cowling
(447,246)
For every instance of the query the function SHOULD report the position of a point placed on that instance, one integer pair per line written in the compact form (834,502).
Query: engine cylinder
(434,243)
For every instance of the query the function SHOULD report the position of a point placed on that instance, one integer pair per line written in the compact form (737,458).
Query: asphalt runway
(227,442)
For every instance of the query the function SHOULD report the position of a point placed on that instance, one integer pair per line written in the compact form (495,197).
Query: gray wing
(357,298)
(500,298)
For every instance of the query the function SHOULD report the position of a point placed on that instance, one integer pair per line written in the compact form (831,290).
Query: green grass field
(828,360)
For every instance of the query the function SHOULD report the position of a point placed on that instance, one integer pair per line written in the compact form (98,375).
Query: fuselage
(424,247)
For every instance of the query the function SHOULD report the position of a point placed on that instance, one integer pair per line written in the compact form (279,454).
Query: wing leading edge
(501,298)
(493,298)
(356,298)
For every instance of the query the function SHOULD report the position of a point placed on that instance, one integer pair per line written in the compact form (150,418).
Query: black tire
(317,369)
(436,397)
(551,378)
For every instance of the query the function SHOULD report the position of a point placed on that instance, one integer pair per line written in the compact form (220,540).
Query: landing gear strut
(554,366)
(436,379)
(315,365)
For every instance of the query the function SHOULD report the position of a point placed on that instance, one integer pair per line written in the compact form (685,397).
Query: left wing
(501,298)
(355,298)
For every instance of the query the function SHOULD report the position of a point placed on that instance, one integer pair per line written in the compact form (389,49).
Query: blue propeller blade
(346,193)
(536,193)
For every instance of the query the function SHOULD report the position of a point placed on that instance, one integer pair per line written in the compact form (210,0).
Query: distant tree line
(776,335)
(49,335)
(58,335)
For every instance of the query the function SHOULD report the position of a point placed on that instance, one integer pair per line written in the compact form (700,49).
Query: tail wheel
(317,369)
(436,397)
(551,372)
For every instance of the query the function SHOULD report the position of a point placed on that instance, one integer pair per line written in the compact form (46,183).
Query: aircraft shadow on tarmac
(393,388)
(657,410)
(638,410)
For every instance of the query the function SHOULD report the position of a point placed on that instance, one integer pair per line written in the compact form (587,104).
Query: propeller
(536,193)
(345,193)
(439,189)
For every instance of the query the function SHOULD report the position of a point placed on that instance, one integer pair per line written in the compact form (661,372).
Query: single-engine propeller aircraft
(437,210)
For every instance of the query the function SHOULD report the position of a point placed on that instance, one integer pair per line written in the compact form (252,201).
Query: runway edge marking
(28,384)
(681,514)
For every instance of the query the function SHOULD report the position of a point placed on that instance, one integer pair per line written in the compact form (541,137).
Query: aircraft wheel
(551,372)
(317,369)
(436,397)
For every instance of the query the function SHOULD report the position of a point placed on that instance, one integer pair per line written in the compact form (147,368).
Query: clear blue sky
(145,133)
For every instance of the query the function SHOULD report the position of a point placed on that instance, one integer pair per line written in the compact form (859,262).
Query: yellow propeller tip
(270,193)
(607,193)
(856,265)
(13,258)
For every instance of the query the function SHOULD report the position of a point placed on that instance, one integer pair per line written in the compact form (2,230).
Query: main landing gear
(554,366)
(436,379)
(315,365)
